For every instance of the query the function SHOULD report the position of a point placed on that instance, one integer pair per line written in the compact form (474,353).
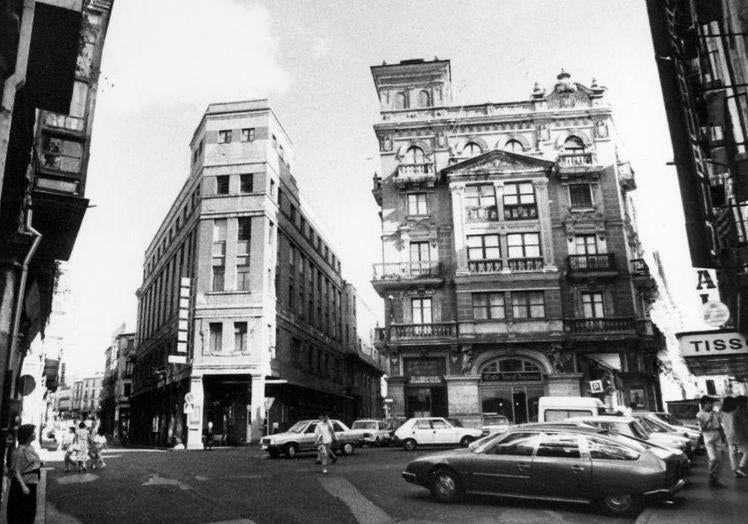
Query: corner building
(262,323)
(511,264)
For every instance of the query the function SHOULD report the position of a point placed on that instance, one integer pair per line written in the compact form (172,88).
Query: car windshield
(481,444)
(638,430)
(495,419)
(298,427)
(364,424)
(660,424)
(650,425)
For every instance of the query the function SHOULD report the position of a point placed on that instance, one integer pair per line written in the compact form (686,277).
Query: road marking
(364,510)
(157,480)
(76,478)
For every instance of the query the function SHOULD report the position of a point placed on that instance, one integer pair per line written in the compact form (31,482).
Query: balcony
(389,275)
(582,162)
(627,326)
(481,214)
(419,173)
(600,264)
(416,332)
(486,265)
(525,265)
(376,189)
(626,176)
(639,267)
(521,212)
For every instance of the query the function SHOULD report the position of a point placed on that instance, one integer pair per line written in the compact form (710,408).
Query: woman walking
(732,428)
(81,440)
(25,469)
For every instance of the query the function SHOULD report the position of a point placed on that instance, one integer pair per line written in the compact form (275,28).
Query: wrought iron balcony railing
(576,159)
(485,265)
(600,325)
(401,270)
(521,212)
(525,264)
(592,262)
(416,331)
(481,214)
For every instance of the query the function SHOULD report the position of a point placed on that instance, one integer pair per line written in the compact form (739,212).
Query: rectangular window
(488,306)
(483,247)
(216,336)
(240,336)
(219,241)
(275,142)
(580,195)
(242,278)
(222,185)
(585,244)
(243,237)
(248,134)
(421,310)
(420,252)
(592,305)
(519,201)
(528,304)
(219,274)
(293,214)
(224,136)
(417,204)
(61,154)
(523,245)
(246,183)
(480,203)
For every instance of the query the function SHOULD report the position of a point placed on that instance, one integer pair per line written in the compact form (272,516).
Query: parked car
(552,462)
(556,409)
(495,424)
(655,424)
(631,427)
(433,431)
(378,431)
(301,438)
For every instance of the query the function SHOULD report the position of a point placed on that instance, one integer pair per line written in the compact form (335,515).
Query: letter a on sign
(705,280)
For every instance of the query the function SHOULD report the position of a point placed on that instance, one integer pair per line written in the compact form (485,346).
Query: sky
(165,61)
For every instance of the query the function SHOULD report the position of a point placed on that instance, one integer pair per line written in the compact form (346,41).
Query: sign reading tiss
(712,344)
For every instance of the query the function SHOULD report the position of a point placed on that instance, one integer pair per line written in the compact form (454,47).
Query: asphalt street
(244,485)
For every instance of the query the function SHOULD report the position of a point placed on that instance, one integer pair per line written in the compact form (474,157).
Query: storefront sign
(712,343)
(511,376)
(423,379)
(424,370)
(715,313)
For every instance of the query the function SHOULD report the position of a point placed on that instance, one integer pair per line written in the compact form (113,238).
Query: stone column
(196,415)
(563,385)
(546,231)
(256,413)
(458,227)
(498,187)
(396,391)
(464,399)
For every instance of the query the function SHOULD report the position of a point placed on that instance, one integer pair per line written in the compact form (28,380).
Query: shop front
(511,386)
(425,387)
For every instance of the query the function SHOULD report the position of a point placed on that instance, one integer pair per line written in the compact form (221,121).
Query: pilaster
(544,216)
(256,415)
(464,399)
(458,224)
(195,415)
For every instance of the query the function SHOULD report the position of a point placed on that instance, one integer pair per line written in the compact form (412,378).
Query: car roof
(556,426)
(603,418)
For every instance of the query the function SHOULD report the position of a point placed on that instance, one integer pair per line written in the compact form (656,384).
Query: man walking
(710,425)
(324,436)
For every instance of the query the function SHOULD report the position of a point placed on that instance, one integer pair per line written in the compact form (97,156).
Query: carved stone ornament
(394,362)
(558,360)
(601,129)
(467,360)
(441,139)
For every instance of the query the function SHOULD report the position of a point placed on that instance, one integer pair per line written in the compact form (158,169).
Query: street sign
(177,359)
(269,403)
(389,400)
(715,313)
(596,386)
(710,344)
(28,385)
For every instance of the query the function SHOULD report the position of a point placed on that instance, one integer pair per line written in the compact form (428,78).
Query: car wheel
(410,445)
(274,453)
(622,505)
(347,449)
(291,450)
(465,441)
(446,487)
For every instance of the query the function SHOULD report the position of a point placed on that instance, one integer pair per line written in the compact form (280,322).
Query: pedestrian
(209,437)
(710,426)
(741,433)
(25,470)
(81,440)
(69,448)
(325,436)
(96,445)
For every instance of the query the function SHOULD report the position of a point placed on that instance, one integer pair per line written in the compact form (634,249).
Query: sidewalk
(697,503)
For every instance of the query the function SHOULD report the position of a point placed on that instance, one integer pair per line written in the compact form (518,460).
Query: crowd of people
(724,426)
(82,444)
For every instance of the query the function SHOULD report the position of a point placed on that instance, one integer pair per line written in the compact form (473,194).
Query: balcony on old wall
(521,212)
(525,265)
(485,265)
(415,174)
(577,163)
(593,265)
(417,333)
(481,214)
(608,326)
(398,274)
(376,189)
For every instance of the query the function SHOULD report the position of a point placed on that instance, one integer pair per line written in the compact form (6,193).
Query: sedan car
(552,462)
(433,431)
(378,431)
(495,424)
(655,424)
(301,438)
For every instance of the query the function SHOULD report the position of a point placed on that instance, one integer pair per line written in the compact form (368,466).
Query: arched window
(424,99)
(515,146)
(401,101)
(573,144)
(414,155)
(511,370)
(471,149)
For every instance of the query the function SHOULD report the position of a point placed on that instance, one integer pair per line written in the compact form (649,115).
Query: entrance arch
(511,385)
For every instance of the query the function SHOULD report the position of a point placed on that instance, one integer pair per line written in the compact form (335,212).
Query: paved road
(243,485)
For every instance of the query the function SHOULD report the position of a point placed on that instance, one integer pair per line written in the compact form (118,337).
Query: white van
(557,409)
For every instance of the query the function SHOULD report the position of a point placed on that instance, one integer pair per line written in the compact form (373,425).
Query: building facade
(511,264)
(117,385)
(86,397)
(702,60)
(240,317)
(50,52)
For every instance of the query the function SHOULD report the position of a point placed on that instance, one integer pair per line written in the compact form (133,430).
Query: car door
(422,431)
(614,466)
(560,469)
(308,439)
(506,467)
(339,430)
(443,432)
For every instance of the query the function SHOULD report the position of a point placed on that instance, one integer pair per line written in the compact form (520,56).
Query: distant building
(260,334)
(512,267)
(86,401)
(62,403)
(117,385)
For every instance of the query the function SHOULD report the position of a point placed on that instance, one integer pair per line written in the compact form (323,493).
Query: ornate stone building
(511,265)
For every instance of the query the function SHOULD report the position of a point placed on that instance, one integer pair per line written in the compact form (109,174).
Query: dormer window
(424,99)
(414,155)
(471,149)
(573,144)
(514,146)
(401,101)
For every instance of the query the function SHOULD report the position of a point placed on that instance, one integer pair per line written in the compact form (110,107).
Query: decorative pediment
(497,162)
(568,93)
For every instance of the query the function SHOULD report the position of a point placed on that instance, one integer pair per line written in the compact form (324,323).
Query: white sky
(165,61)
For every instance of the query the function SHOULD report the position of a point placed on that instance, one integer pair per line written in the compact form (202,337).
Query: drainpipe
(22,284)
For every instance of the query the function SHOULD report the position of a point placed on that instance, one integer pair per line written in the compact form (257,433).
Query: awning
(715,352)
(611,361)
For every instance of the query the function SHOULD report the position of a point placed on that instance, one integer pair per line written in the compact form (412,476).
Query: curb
(41,498)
